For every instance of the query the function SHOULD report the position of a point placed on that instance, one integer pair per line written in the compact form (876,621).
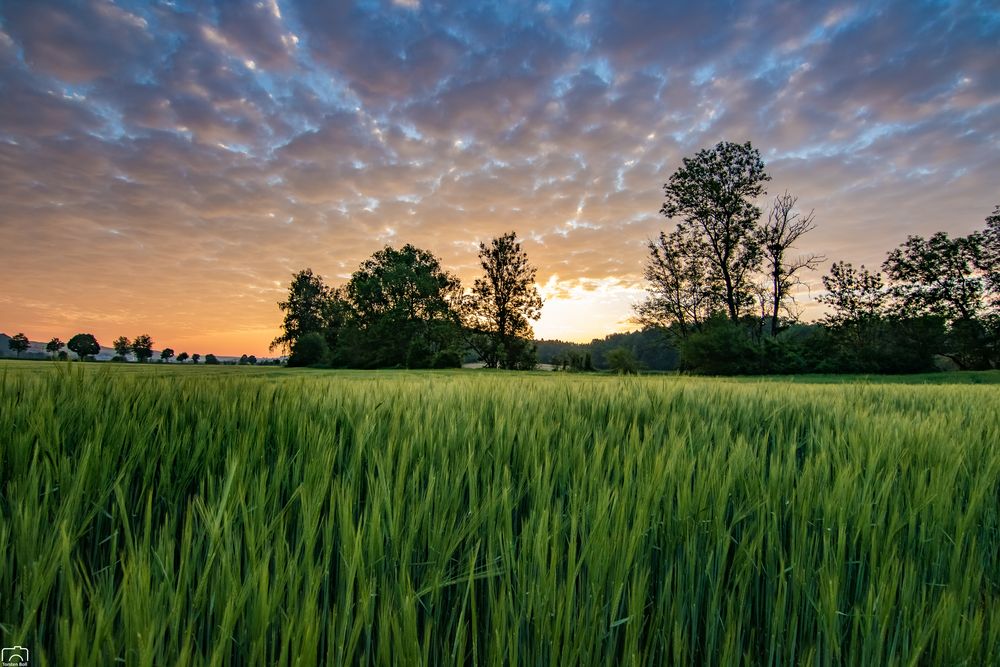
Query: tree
(950,278)
(167,354)
(309,350)
(18,344)
(622,360)
(713,194)
(680,296)
(84,345)
(211,360)
(252,360)
(142,347)
(54,346)
(864,335)
(938,276)
(783,229)
(182,357)
(243,360)
(195,358)
(399,309)
(856,295)
(122,347)
(989,262)
(309,308)
(498,311)
(720,347)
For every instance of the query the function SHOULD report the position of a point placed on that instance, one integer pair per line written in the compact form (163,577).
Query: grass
(229,516)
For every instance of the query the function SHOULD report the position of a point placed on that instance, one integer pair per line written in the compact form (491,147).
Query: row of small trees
(720,284)
(85,346)
(402,309)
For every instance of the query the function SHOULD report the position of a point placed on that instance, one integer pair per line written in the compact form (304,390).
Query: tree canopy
(54,345)
(402,310)
(18,343)
(142,347)
(711,261)
(84,345)
(122,346)
(307,308)
(713,194)
(499,311)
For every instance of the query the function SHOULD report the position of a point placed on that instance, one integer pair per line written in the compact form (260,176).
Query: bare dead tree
(784,227)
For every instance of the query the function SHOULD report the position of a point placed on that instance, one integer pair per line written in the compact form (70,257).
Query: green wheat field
(165,515)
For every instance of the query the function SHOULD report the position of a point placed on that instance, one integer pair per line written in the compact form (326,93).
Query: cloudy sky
(166,166)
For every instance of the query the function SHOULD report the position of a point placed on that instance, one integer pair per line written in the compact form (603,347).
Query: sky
(166,166)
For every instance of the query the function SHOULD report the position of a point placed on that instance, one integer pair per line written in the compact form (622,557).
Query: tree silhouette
(713,194)
(401,310)
(142,347)
(84,345)
(503,302)
(18,343)
(123,346)
(783,229)
(307,308)
(54,345)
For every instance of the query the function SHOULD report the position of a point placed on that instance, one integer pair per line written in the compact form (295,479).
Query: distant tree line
(649,349)
(402,309)
(86,347)
(720,285)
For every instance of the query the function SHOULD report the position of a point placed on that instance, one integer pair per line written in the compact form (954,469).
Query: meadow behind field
(160,514)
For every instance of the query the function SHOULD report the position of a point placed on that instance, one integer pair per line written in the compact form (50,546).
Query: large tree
(784,227)
(503,303)
(402,310)
(953,278)
(84,345)
(142,347)
(939,276)
(311,307)
(18,343)
(713,194)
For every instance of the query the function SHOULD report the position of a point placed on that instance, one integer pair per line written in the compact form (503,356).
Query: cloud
(78,41)
(166,166)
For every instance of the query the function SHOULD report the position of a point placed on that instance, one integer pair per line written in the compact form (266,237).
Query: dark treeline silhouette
(402,309)
(85,347)
(719,285)
(651,349)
